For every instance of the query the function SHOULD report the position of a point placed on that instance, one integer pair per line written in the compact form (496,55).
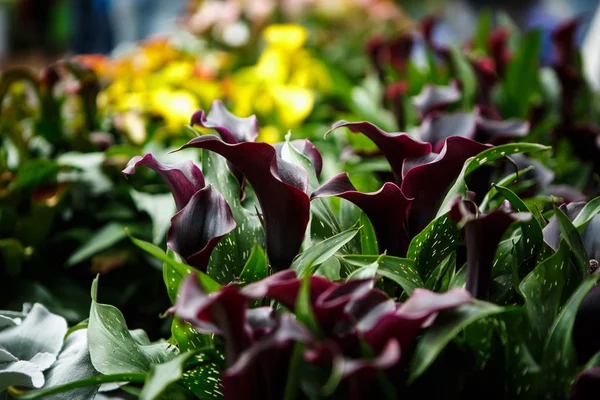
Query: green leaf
(521,79)
(559,361)
(447,325)
(508,179)
(163,375)
(586,214)
(80,325)
(531,243)
(187,337)
(35,173)
(256,267)
(203,375)
(369,271)
(105,238)
(368,240)
(174,271)
(306,263)
(459,188)
(465,74)
(93,381)
(569,233)
(483,31)
(13,254)
(303,311)
(442,274)
(114,349)
(229,256)
(400,270)
(542,290)
(160,208)
(330,269)
(430,247)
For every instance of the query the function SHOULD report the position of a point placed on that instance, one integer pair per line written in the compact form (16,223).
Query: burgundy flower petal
(400,50)
(305,147)
(261,372)
(280,188)
(222,313)
(232,128)
(387,210)
(497,44)
(426,304)
(184,179)
(417,312)
(587,385)
(497,132)
(197,228)
(435,129)
(482,236)
(427,27)
(563,38)
(435,98)
(395,146)
(485,72)
(427,184)
(284,287)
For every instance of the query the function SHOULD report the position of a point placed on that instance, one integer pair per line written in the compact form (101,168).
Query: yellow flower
(269,134)
(293,103)
(285,36)
(176,107)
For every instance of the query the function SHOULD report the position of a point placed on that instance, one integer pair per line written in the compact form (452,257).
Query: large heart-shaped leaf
(129,352)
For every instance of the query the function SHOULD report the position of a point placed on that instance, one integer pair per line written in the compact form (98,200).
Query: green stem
(93,381)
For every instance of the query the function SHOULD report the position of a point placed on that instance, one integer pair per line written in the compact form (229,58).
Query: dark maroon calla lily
(280,188)
(485,72)
(395,146)
(259,342)
(428,183)
(232,128)
(387,209)
(482,236)
(563,38)
(497,43)
(400,49)
(437,127)
(305,147)
(184,179)
(203,216)
(197,228)
(435,98)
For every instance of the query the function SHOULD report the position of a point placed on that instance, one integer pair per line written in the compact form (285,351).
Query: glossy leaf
(399,270)
(492,154)
(447,325)
(306,263)
(107,330)
(256,267)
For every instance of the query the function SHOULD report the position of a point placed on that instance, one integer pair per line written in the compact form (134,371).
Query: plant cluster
(458,259)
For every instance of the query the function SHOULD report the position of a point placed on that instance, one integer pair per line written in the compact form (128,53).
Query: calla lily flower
(203,216)
(280,188)
(259,342)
